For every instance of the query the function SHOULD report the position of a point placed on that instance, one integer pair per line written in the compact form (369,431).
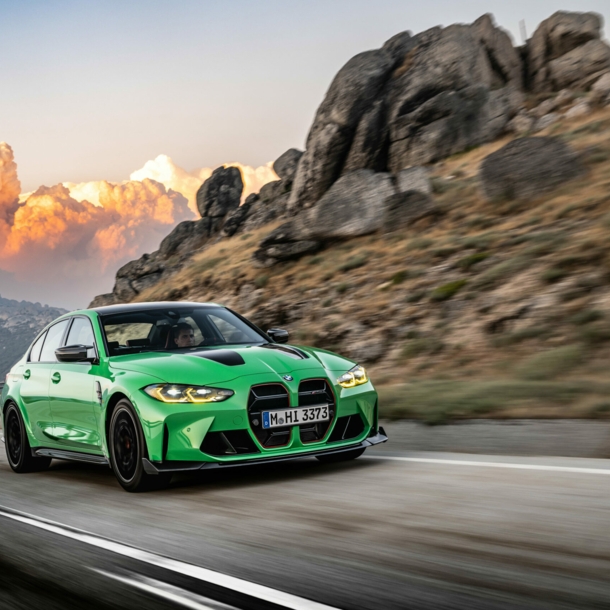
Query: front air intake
(346,428)
(229,442)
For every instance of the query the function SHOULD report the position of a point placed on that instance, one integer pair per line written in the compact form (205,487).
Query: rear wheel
(127,448)
(340,457)
(18,450)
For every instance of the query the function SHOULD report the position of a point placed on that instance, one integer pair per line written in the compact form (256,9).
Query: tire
(333,458)
(127,447)
(17,444)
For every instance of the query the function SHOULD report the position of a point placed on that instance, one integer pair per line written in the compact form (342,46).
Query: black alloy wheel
(127,449)
(344,456)
(18,449)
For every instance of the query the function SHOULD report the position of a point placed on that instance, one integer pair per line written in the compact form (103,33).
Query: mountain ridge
(20,322)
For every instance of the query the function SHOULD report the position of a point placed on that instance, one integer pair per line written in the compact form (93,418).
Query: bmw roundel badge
(288,377)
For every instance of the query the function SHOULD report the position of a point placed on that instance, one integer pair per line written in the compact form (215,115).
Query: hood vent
(222,356)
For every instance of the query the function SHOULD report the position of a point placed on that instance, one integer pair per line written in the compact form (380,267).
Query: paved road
(429,531)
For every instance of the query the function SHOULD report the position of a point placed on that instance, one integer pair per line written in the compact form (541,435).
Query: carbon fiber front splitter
(162,467)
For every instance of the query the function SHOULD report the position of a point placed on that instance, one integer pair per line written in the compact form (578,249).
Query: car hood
(217,365)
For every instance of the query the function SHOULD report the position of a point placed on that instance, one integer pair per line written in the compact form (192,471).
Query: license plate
(295,417)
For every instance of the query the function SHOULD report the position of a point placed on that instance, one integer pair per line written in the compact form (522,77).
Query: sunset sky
(108,92)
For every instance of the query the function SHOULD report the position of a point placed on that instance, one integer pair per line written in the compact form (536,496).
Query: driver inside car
(184,335)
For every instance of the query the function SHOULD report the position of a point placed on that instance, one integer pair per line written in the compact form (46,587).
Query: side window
(35,351)
(53,341)
(81,333)
(230,333)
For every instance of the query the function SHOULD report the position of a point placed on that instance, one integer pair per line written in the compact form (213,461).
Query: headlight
(353,377)
(167,392)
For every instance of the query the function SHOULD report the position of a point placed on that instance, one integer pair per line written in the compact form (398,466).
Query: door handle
(56,378)
(27,373)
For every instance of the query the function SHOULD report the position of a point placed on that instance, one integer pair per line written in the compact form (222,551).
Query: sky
(97,91)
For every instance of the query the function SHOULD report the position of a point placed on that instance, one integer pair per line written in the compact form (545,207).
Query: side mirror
(74,353)
(278,335)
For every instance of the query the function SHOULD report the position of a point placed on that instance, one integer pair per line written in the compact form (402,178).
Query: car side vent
(230,442)
(347,427)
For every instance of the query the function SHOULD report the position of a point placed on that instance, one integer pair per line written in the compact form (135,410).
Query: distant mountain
(20,322)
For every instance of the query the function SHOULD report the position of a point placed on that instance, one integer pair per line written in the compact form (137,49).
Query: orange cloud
(53,237)
(73,236)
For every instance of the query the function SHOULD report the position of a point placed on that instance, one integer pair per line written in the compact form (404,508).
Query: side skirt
(71,456)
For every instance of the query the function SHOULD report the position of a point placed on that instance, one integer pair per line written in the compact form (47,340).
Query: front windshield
(175,329)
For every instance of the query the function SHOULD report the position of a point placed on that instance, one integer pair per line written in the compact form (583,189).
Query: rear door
(73,393)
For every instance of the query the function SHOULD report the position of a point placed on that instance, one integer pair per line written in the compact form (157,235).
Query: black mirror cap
(73,353)
(278,335)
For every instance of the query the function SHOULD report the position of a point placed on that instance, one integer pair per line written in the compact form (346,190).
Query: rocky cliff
(413,102)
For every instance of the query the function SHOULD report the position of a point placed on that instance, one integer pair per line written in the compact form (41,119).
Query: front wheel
(127,448)
(18,449)
(333,458)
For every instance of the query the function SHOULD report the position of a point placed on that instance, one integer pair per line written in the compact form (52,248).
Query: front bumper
(170,467)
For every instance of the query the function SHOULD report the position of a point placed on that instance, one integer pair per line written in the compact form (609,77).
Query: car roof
(127,307)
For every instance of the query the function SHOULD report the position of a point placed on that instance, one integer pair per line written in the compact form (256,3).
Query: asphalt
(437,530)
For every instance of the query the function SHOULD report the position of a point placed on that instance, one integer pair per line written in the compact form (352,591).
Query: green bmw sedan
(151,389)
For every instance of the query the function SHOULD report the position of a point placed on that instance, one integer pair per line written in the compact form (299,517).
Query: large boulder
(452,93)
(286,165)
(353,206)
(220,193)
(283,243)
(580,67)
(352,92)
(560,34)
(528,167)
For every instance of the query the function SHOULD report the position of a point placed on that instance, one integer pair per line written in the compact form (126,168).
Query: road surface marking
(273,596)
(542,467)
(168,592)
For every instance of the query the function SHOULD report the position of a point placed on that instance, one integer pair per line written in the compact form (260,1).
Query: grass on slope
(496,309)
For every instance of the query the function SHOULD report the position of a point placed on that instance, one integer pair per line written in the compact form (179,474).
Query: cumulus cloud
(10,188)
(164,170)
(63,242)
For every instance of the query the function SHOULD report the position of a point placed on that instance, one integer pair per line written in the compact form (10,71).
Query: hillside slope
(20,322)
(491,293)
(464,291)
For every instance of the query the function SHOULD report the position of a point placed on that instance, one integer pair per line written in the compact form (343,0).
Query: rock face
(353,206)
(566,51)
(388,112)
(220,193)
(351,93)
(414,179)
(285,166)
(581,67)
(527,167)
(416,100)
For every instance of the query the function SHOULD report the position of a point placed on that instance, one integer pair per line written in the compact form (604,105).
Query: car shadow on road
(213,480)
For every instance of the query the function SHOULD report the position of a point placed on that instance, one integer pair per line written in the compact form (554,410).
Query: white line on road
(166,591)
(245,587)
(542,467)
